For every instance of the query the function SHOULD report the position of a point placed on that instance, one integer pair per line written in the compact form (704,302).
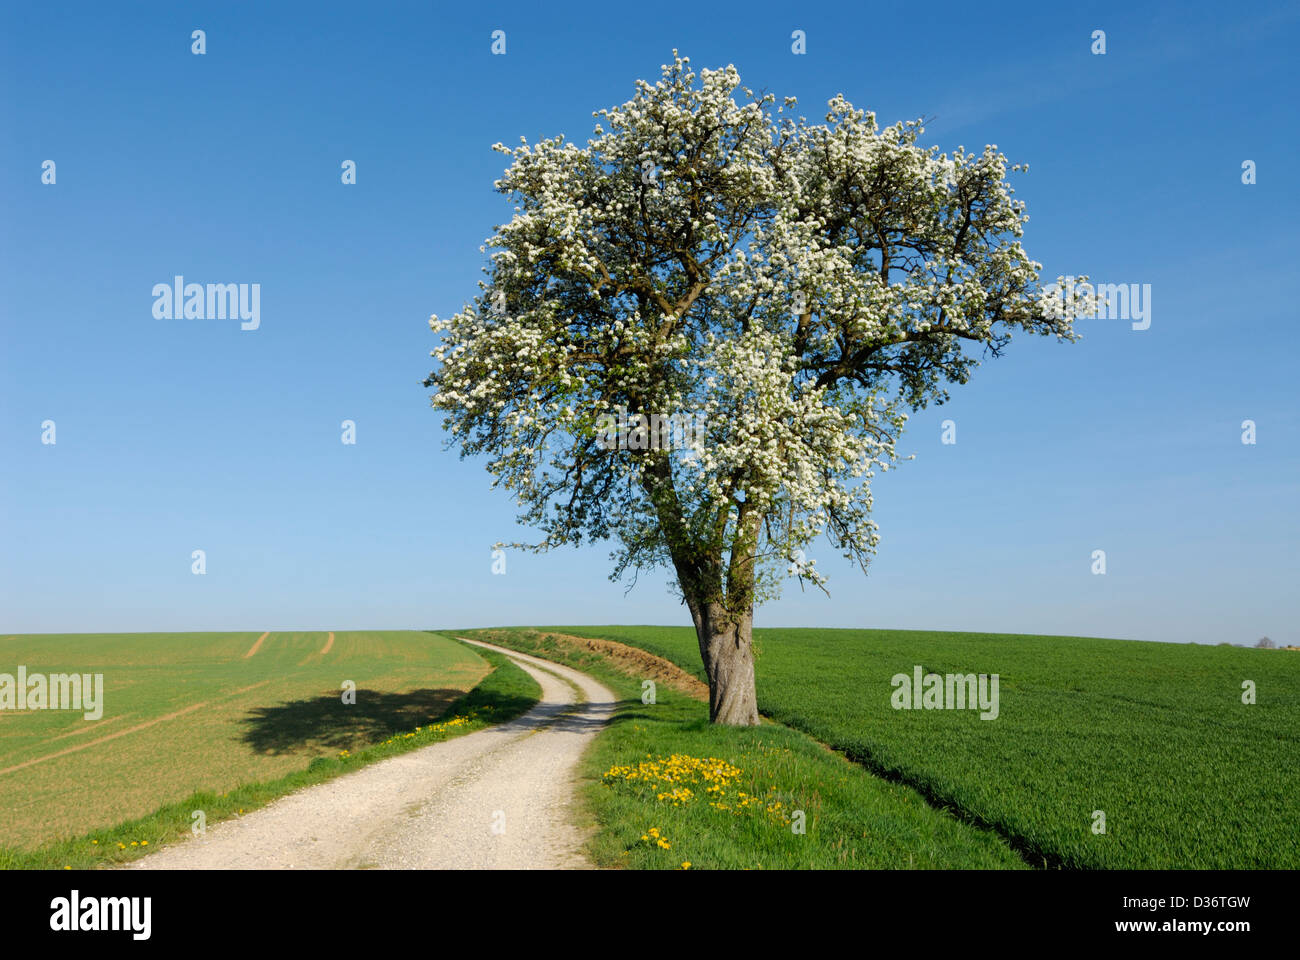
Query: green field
(1155,735)
(188,712)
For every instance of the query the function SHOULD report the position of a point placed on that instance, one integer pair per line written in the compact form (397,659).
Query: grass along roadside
(504,693)
(667,789)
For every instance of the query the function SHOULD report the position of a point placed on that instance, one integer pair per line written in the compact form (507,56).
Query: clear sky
(179,435)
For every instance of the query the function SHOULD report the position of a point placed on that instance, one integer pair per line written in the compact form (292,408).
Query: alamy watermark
(1102,301)
(58,691)
(211,301)
(75,913)
(651,431)
(952,691)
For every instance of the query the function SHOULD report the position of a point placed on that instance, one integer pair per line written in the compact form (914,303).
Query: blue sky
(177,435)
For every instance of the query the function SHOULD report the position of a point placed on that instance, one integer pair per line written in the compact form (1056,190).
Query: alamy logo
(212,301)
(58,691)
(651,431)
(1104,301)
(73,913)
(952,691)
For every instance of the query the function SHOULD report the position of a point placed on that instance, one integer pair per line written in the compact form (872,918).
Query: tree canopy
(794,287)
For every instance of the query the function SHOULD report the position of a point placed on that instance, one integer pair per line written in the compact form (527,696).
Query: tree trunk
(727,647)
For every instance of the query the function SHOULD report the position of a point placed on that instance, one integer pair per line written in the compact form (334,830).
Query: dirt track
(497,798)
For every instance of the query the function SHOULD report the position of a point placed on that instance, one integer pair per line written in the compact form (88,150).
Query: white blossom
(797,285)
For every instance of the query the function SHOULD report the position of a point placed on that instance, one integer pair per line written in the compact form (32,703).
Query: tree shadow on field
(327,722)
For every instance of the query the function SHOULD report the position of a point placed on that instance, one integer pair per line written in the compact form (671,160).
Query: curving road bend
(499,798)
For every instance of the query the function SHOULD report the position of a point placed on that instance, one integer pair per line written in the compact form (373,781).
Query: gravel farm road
(499,798)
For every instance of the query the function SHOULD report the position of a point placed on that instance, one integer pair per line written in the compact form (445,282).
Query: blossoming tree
(793,287)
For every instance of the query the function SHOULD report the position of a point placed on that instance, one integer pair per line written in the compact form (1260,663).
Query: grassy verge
(667,789)
(503,694)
